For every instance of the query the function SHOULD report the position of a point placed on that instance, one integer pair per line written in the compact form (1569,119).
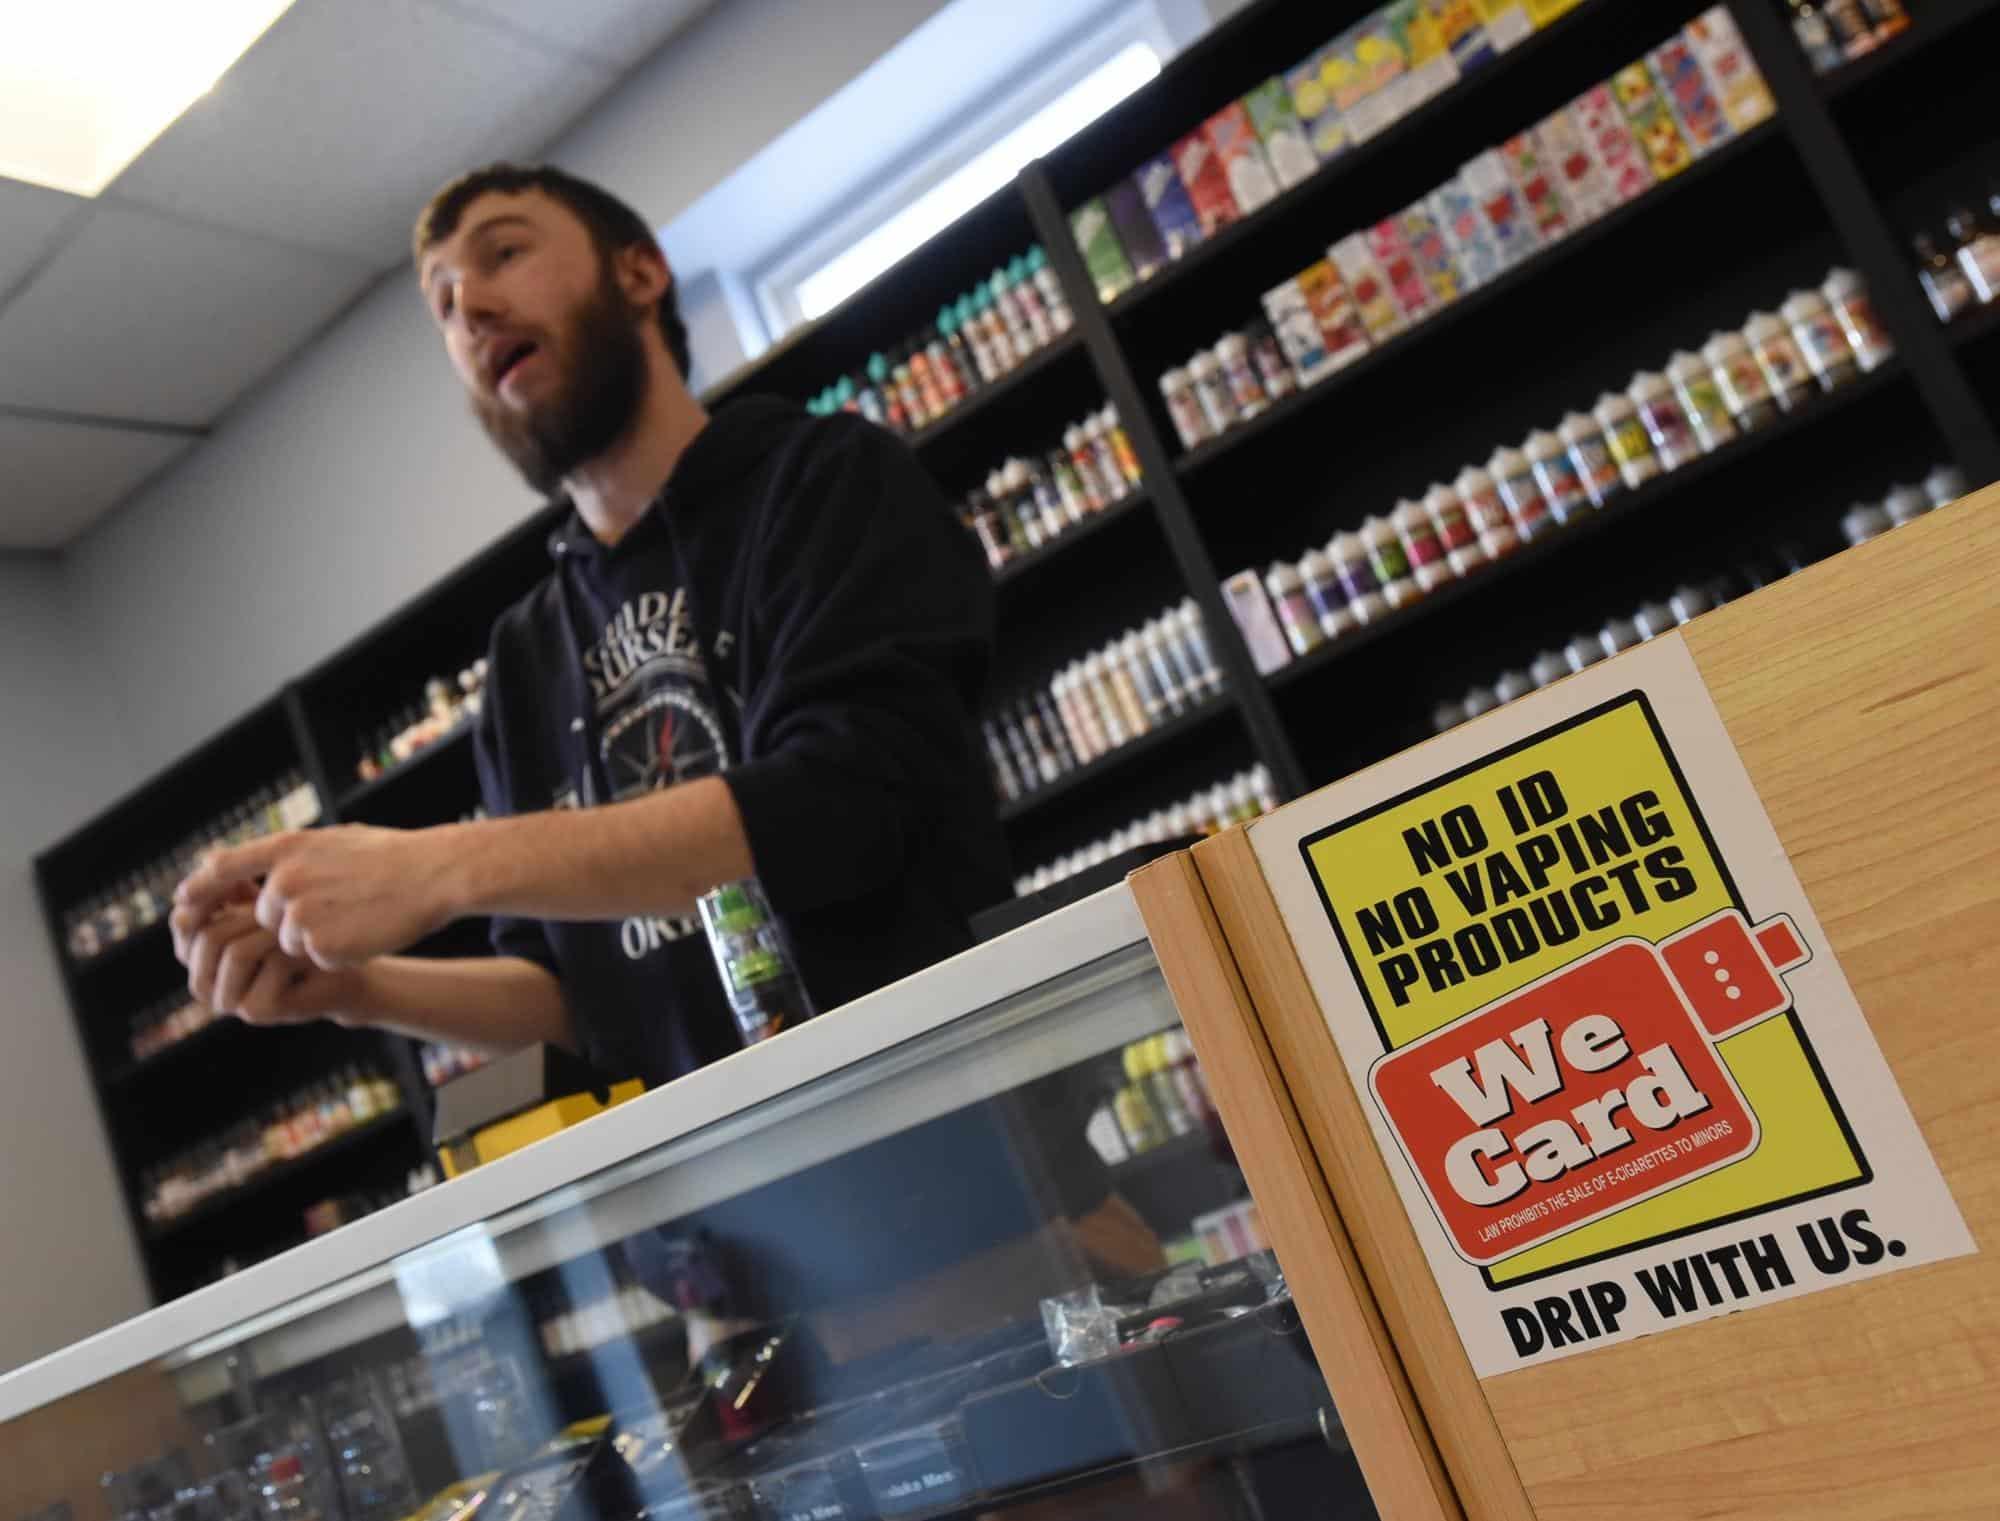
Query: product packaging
(1473,247)
(1426,242)
(1429,69)
(1399,267)
(1184,407)
(1701,398)
(1848,295)
(1103,255)
(1944,485)
(1744,388)
(1905,503)
(1211,388)
(1664,419)
(1587,194)
(1282,133)
(1557,476)
(1739,88)
(1652,122)
(1207,182)
(1591,455)
(1296,614)
(1542,12)
(1536,184)
(1298,331)
(1820,338)
(1233,354)
(1328,597)
(1506,21)
(1630,444)
(1374,302)
(1168,203)
(1779,358)
(1625,166)
(1234,138)
(1480,497)
(1456,531)
(1390,564)
(1681,80)
(1461,31)
(1311,85)
(1514,478)
(1421,545)
(1273,368)
(1248,604)
(1133,224)
(1515,235)
(1357,577)
(1368,69)
(762,987)
(1332,309)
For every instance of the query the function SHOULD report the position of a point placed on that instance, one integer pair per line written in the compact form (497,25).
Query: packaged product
(1233,353)
(1515,235)
(1357,577)
(1207,182)
(1421,545)
(1311,84)
(1251,608)
(1167,201)
(1514,478)
(1591,454)
(1328,597)
(1587,193)
(1821,338)
(1471,240)
(1507,22)
(1456,531)
(1427,245)
(1778,356)
(1399,266)
(1480,498)
(1390,564)
(1537,186)
(1542,12)
(1739,87)
(1368,69)
(1333,310)
(1184,407)
(1211,389)
(1282,133)
(1847,293)
(1678,74)
(1630,444)
(1298,331)
(1296,614)
(1652,122)
(1374,302)
(1103,254)
(1626,168)
(1745,389)
(1428,67)
(1665,420)
(1273,368)
(1251,182)
(1701,397)
(1461,31)
(1137,234)
(1556,474)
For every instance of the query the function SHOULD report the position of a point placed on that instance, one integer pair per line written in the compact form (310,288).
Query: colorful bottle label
(1399,268)
(1560,481)
(1595,467)
(1386,556)
(1454,526)
(1630,444)
(1667,426)
(1421,542)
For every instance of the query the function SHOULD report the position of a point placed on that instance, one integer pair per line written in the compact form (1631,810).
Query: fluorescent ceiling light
(973,181)
(85,85)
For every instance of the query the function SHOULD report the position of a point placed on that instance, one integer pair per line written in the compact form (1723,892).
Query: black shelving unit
(1850,167)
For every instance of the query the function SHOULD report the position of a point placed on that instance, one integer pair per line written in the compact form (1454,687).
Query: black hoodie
(799,611)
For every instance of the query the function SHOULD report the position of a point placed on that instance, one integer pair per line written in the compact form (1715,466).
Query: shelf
(1038,363)
(1627,506)
(1123,509)
(363,792)
(1931,23)
(282,1172)
(1190,1149)
(1384,146)
(1508,284)
(153,939)
(1083,776)
(1970,330)
(223,1026)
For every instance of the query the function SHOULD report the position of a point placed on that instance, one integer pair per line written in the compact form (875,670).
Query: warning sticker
(1621,1084)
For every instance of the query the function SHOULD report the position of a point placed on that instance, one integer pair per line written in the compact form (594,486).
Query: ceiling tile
(56,479)
(333,129)
(30,219)
(147,317)
(616,32)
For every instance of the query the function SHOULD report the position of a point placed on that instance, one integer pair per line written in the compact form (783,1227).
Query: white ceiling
(130,324)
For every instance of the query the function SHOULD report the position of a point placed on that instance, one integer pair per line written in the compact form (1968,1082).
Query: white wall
(68,1265)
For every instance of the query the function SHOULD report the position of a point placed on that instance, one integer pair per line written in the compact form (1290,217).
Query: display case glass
(976,1245)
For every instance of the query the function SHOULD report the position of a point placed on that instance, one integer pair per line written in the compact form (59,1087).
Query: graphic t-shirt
(800,613)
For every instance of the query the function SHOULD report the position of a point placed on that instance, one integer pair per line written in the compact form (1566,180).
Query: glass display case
(975,1245)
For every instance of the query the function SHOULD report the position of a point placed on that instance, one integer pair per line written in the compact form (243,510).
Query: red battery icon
(1590,1089)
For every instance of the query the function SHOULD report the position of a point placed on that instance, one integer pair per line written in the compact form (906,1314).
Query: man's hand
(335,897)
(235,967)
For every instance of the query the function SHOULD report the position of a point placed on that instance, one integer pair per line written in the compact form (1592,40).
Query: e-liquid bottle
(1700,394)
(1050,289)
(1456,532)
(763,988)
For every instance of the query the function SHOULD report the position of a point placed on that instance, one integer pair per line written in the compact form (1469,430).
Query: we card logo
(1590,1089)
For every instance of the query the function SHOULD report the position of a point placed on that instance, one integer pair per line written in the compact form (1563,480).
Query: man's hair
(611,223)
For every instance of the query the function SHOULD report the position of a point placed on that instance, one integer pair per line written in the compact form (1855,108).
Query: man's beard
(595,404)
